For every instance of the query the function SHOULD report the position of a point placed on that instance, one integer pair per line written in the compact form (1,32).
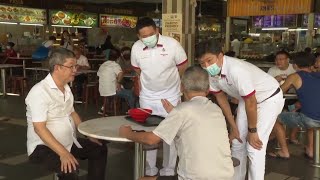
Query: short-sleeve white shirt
(46,103)
(198,130)
(108,73)
(275,71)
(159,73)
(241,79)
(83,61)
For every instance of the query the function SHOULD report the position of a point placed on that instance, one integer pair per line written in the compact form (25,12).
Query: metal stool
(316,147)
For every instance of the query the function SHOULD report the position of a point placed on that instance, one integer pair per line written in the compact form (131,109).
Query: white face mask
(8,47)
(150,41)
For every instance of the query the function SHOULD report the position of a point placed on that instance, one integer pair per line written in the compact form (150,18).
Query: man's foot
(279,155)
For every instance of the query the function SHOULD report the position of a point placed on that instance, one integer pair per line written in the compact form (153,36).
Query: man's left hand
(125,130)
(95,141)
(254,140)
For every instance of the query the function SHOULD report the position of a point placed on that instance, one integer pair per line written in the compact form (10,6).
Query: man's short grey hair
(59,56)
(195,79)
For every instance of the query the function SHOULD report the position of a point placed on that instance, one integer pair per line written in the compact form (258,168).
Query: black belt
(276,92)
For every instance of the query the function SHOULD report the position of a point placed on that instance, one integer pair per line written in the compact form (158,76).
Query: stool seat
(90,89)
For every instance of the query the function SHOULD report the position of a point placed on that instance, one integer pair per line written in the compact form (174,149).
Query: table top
(9,65)
(38,69)
(20,58)
(107,128)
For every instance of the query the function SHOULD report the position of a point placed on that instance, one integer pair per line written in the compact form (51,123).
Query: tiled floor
(15,166)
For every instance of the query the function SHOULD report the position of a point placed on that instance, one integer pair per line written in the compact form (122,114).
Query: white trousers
(169,151)
(267,114)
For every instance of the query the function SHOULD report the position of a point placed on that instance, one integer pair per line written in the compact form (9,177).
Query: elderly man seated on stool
(307,85)
(198,129)
(52,124)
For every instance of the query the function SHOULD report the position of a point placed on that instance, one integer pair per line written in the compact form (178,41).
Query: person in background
(230,54)
(307,85)
(317,63)
(52,124)
(10,52)
(110,76)
(107,46)
(82,64)
(66,40)
(280,72)
(260,102)
(308,50)
(125,62)
(50,42)
(235,45)
(197,128)
(158,61)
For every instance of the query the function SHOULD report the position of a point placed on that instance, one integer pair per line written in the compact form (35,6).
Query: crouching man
(197,127)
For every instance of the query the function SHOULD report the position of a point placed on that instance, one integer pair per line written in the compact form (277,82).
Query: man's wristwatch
(252,130)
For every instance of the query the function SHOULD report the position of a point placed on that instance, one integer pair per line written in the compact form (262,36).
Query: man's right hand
(68,163)
(234,134)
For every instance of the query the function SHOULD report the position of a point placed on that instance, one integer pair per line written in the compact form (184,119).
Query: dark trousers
(79,81)
(96,155)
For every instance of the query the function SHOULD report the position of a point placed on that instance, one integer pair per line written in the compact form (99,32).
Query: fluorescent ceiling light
(298,29)
(28,24)
(61,26)
(274,29)
(8,23)
(82,27)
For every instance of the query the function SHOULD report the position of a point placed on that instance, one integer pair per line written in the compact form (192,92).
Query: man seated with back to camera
(198,129)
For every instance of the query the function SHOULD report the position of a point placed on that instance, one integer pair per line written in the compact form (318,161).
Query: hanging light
(199,15)
(68,30)
(76,31)
(54,30)
(47,29)
(157,9)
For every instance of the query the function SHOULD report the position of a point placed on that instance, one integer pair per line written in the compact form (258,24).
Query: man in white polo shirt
(158,60)
(260,102)
(52,123)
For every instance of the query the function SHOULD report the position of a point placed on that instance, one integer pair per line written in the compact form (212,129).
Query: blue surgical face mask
(150,41)
(213,69)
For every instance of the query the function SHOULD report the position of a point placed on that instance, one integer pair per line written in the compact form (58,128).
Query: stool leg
(86,98)
(104,106)
(22,87)
(115,105)
(316,148)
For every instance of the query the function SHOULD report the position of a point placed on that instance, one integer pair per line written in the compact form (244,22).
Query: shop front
(272,25)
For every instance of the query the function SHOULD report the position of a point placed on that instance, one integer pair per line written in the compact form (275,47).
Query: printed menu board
(107,20)
(22,15)
(275,21)
(67,18)
(316,20)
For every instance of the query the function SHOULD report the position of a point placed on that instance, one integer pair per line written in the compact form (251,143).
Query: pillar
(187,9)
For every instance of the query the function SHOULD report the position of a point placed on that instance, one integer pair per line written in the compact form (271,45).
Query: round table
(107,128)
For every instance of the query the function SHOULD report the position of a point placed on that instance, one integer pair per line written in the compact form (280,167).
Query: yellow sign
(172,26)
(268,7)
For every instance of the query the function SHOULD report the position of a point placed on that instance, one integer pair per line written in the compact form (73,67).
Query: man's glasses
(75,67)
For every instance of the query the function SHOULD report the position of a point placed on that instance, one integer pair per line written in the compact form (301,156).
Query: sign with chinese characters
(68,18)
(172,26)
(107,20)
(22,15)
(268,7)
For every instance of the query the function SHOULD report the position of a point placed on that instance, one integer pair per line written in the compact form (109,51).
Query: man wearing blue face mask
(260,102)
(159,61)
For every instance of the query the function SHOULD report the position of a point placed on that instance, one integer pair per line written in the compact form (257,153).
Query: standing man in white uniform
(235,44)
(159,61)
(260,102)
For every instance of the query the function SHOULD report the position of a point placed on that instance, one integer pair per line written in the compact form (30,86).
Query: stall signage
(316,20)
(107,20)
(68,18)
(118,11)
(172,26)
(22,15)
(268,7)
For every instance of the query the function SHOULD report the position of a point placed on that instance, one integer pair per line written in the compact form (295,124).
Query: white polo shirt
(83,61)
(46,103)
(241,79)
(198,130)
(108,73)
(159,77)
(275,71)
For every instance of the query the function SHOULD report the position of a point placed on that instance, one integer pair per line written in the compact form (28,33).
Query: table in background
(290,96)
(23,63)
(107,128)
(3,68)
